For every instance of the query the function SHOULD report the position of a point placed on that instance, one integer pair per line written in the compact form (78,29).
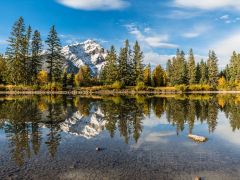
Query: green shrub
(140,86)
(117,85)
(181,87)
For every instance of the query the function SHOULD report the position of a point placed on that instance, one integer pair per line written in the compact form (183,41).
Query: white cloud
(154,58)
(227,19)
(196,31)
(208,4)
(95,4)
(224,17)
(178,14)
(153,41)
(226,46)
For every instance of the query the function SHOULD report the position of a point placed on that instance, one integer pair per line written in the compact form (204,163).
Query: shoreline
(111,92)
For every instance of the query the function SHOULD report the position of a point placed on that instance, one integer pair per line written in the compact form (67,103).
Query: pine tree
(3,69)
(26,56)
(109,73)
(147,75)
(179,73)
(169,72)
(198,73)
(54,57)
(36,59)
(191,68)
(212,69)
(203,72)
(15,54)
(234,67)
(123,65)
(137,63)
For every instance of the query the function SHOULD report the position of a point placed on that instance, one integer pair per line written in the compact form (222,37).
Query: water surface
(141,137)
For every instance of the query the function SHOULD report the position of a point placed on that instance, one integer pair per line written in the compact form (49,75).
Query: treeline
(26,63)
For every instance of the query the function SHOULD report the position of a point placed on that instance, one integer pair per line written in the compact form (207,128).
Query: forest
(24,66)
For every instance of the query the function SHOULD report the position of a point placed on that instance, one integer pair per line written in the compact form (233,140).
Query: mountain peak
(88,53)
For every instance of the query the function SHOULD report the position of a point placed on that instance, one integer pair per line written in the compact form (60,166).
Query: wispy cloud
(208,4)
(179,14)
(152,40)
(225,46)
(227,19)
(196,31)
(95,4)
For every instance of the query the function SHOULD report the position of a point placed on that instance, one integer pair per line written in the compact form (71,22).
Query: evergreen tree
(36,59)
(138,63)
(3,69)
(179,73)
(26,56)
(54,56)
(109,73)
(15,54)
(169,72)
(198,73)
(234,67)
(147,75)
(191,68)
(212,69)
(203,72)
(123,65)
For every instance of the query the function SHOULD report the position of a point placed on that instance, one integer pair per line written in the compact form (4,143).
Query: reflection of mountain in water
(86,126)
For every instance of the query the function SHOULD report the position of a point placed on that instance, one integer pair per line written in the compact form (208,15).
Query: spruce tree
(36,59)
(15,53)
(169,72)
(212,69)
(123,66)
(203,72)
(109,73)
(55,58)
(138,63)
(3,69)
(191,68)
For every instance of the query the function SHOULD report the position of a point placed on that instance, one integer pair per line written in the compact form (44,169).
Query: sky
(160,26)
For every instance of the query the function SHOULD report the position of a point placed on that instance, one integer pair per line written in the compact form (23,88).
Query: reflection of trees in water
(124,113)
(23,118)
(232,110)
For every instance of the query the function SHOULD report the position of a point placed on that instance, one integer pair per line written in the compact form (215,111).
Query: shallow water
(140,137)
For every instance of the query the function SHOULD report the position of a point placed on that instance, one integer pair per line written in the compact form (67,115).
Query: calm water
(141,137)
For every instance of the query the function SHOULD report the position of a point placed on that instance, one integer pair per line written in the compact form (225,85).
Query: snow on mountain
(85,126)
(88,53)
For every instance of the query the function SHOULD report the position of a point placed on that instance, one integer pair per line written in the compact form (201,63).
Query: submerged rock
(197,138)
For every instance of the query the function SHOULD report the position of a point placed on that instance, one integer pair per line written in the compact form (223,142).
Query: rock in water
(97,149)
(197,178)
(197,138)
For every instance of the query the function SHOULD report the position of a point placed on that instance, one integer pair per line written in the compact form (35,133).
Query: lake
(139,137)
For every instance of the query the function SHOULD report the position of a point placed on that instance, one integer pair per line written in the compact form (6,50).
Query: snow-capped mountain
(86,53)
(85,126)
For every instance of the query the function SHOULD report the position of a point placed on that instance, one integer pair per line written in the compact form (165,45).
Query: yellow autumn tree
(222,83)
(42,77)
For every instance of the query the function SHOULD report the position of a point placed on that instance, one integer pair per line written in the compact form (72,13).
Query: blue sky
(160,26)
